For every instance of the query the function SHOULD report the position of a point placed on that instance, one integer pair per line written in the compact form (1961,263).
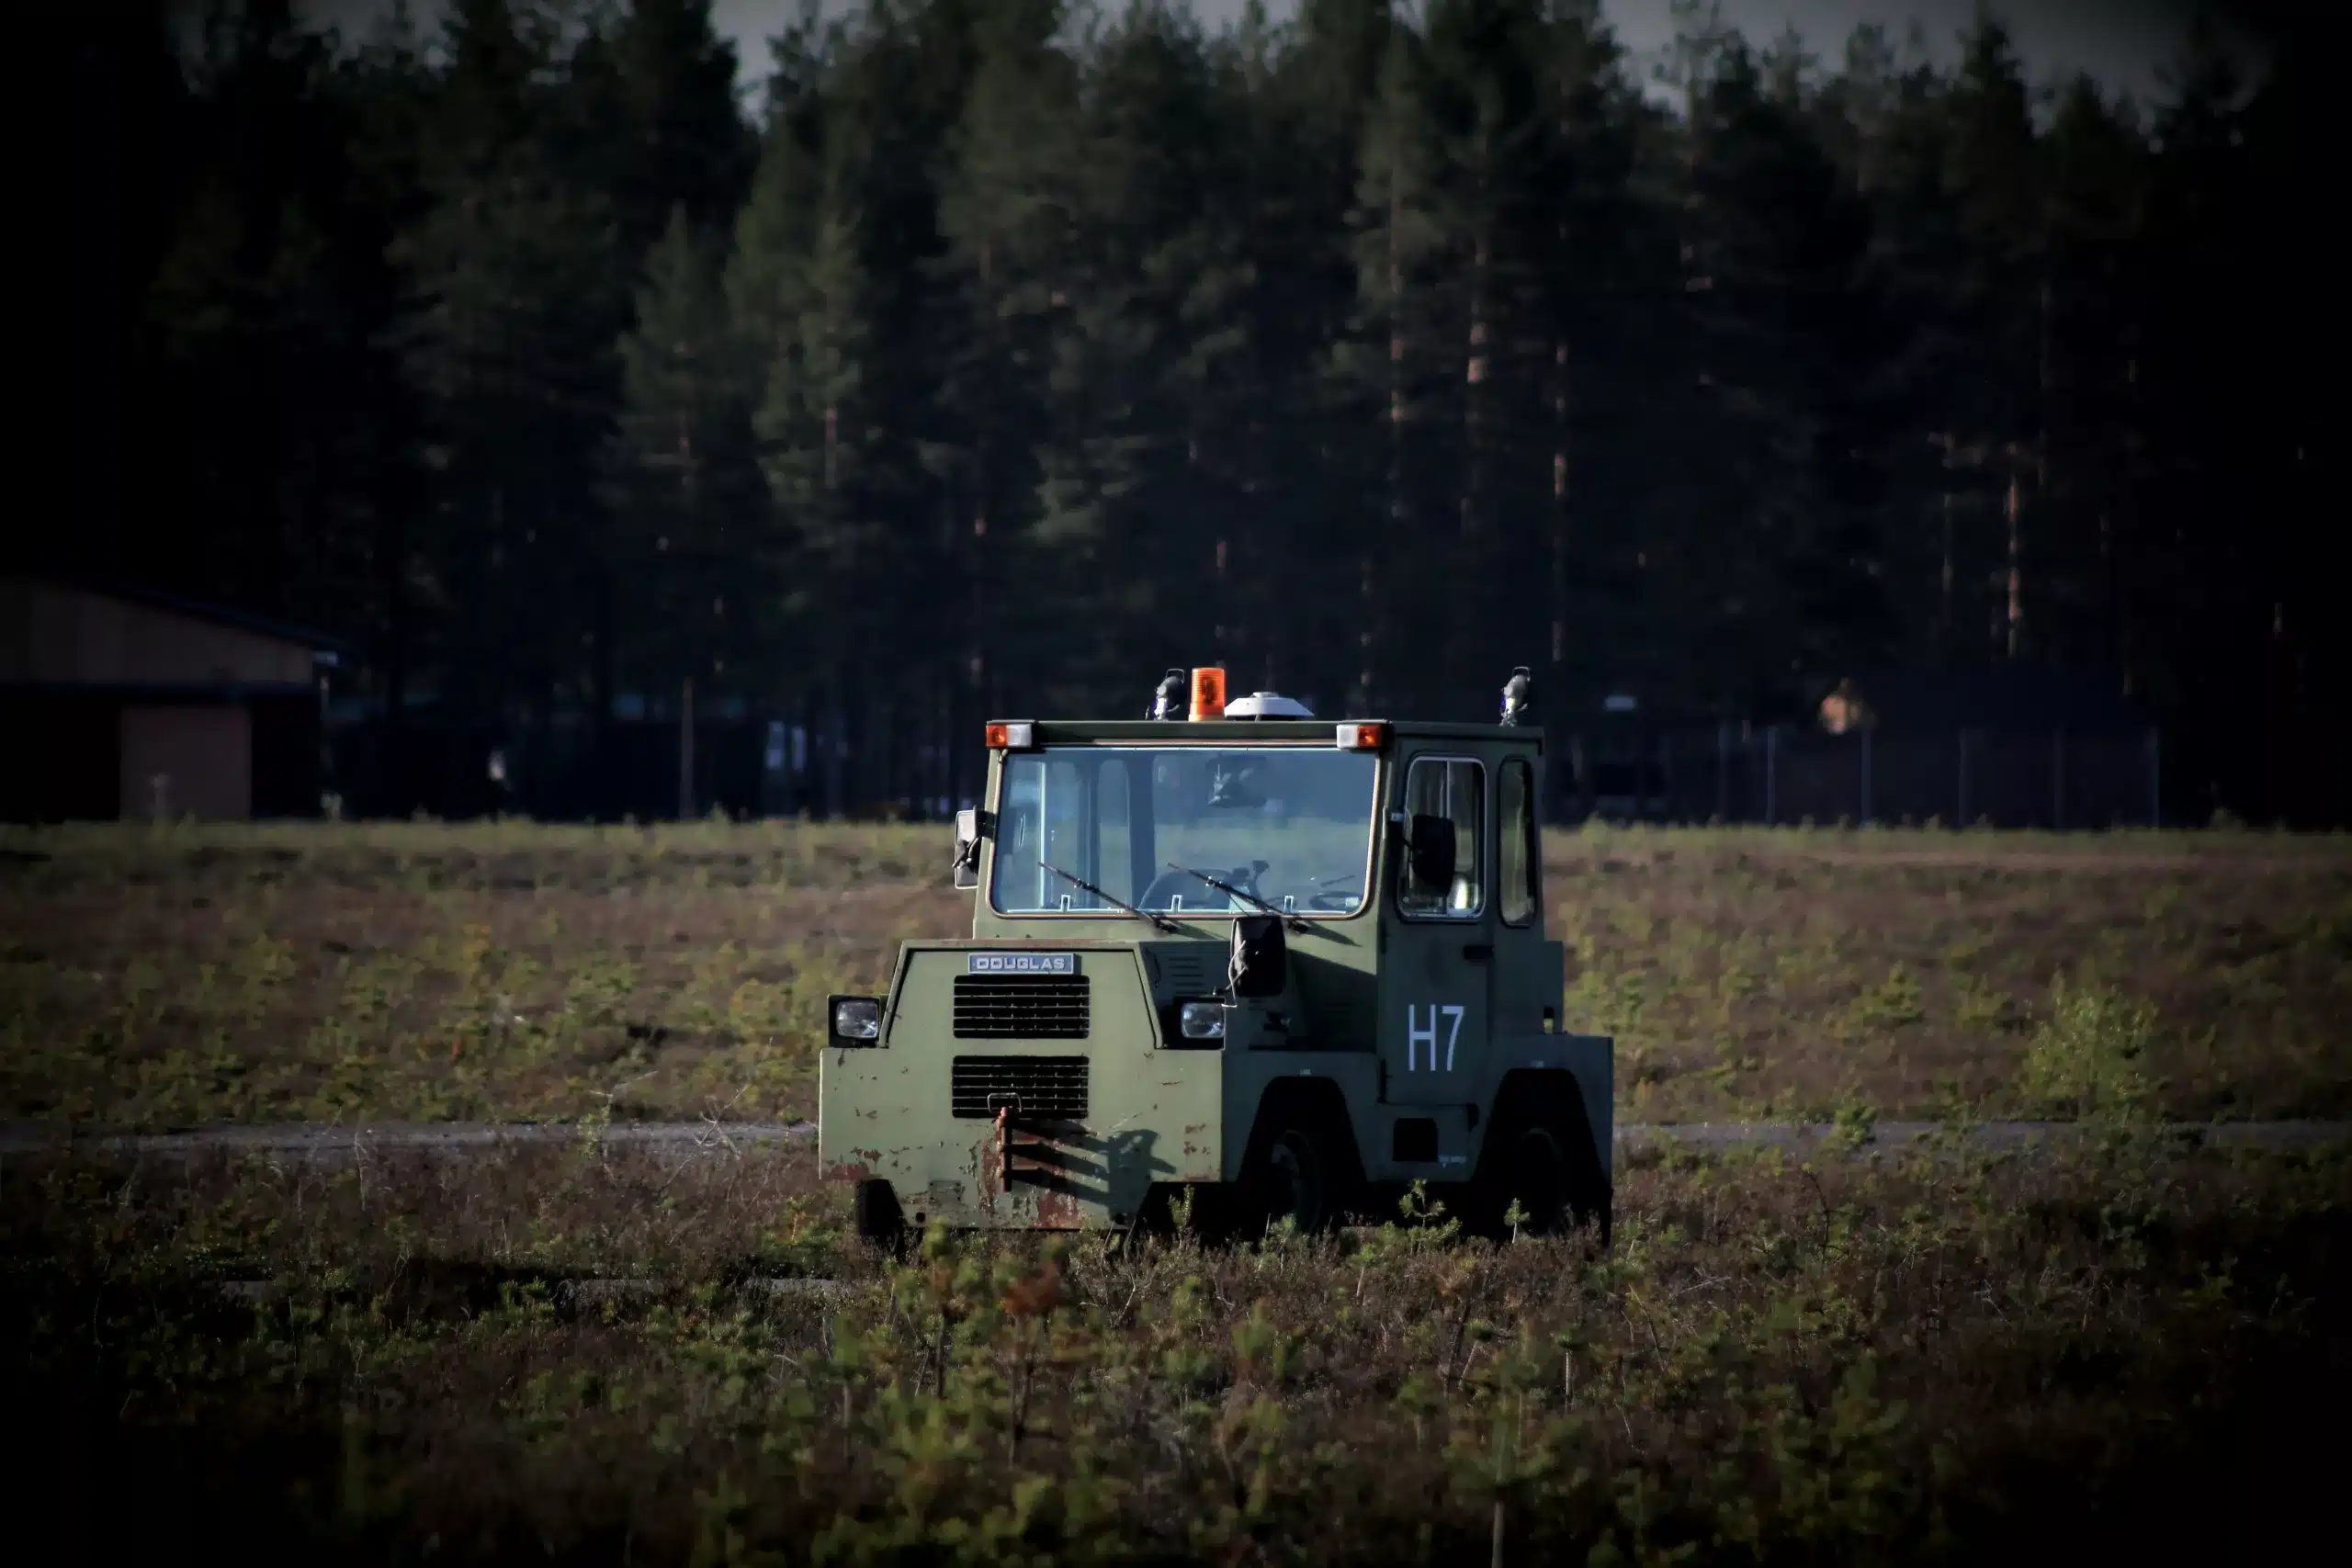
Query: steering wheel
(1340,893)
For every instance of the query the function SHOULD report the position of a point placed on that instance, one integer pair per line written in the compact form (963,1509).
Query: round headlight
(1202,1020)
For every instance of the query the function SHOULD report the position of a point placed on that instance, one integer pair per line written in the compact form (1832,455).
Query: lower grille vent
(1022,1007)
(1035,1087)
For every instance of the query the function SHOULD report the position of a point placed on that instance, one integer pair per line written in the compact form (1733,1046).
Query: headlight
(1202,1020)
(856,1020)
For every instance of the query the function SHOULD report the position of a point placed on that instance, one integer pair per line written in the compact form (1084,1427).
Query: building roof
(195,609)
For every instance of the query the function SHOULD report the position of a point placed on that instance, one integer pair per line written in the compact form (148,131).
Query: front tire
(875,1208)
(1301,1168)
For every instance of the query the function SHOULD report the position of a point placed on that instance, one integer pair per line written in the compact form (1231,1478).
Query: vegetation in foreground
(154,978)
(1930,1359)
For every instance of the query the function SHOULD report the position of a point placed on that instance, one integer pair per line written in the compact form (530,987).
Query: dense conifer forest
(996,355)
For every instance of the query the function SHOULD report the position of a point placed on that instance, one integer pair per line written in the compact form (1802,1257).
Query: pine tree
(1119,451)
(1595,236)
(1007,205)
(1389,369)
(2005,309)
(691,600)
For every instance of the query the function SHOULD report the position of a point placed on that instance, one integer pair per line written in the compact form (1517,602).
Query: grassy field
(152,978)
(2119,1351)
(1936,1356)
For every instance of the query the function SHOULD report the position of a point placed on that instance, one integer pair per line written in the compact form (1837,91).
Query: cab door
(1529,970)
(1436,1007)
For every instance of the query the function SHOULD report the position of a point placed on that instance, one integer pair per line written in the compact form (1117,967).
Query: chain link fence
(1784,774)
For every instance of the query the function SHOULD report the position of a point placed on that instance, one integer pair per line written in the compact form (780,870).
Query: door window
(1453,789)
(1518,851)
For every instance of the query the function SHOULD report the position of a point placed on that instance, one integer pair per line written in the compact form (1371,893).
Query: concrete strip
(584,1292)
(336,1143)
(353,1139)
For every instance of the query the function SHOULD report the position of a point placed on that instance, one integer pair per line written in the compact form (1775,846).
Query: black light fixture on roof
(1168,701)
(1519,695)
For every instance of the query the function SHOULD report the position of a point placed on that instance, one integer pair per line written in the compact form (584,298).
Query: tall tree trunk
(2013,623)
(1944,585)
(1560,519)
(1475,634)
(1367,586)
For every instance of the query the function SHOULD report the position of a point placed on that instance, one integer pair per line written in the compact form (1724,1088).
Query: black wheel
(1538,1158)
(875,1210)
(1301,1168)
(1298,1183)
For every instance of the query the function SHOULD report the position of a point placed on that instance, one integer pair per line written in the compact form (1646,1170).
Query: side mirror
(968,847)
(1258,963)
(1430,851)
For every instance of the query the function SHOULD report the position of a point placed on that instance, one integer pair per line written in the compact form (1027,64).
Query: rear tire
(1540,1157)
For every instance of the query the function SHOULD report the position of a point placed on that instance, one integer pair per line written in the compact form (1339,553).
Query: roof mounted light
(1362,737)
(1208,693)
(1018,735)
(1168,702)
(1519,695)
(1267,704)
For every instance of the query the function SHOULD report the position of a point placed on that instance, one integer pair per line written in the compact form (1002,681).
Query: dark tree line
(1003,353)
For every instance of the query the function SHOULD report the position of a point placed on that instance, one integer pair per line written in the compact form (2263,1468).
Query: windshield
(1157,827)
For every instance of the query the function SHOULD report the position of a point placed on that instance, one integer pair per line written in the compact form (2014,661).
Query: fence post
(1722,770)
(1865,815)
(2058,778)
(1960,817)
(686,749)
(1771,775)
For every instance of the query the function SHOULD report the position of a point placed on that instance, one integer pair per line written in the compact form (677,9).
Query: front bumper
(1152,1116)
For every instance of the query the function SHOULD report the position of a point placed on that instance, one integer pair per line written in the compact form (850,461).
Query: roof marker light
(1208,693)
(1362,737)
(1017,736)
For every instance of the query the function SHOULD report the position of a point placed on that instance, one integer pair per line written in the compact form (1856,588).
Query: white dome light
(1266,704)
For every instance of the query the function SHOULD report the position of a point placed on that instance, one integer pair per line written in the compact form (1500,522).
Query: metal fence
(1784,774)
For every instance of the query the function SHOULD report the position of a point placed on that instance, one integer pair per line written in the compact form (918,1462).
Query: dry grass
(420,971)
(1947,1360)
(1798,973)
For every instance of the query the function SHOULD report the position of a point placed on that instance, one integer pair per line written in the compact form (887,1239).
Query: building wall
(54,635)
(125,710)
(188,760)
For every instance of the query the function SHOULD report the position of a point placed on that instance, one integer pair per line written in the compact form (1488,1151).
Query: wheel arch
(1522,1089)
(1316,1098)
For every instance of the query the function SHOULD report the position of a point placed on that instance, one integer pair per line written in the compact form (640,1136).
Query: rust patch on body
(1059,1210)
(851,1172)
(986,1173)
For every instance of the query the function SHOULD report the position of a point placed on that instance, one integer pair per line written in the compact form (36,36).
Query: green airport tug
(1291,965)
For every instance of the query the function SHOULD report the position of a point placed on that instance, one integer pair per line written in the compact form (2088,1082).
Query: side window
(1518,852)
(1454,792)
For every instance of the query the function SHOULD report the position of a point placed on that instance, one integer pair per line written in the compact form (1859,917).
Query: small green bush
(2087,1057)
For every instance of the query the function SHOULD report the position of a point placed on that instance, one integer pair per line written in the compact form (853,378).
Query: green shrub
(2087,1057)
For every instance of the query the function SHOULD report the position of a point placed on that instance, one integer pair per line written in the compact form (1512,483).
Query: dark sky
(2125,43)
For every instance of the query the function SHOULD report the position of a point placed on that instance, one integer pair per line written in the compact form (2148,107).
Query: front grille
(1049,1087)
(1022,1007)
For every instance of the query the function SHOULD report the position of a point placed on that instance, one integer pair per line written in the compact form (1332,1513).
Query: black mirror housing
(967,847)
(1258,964)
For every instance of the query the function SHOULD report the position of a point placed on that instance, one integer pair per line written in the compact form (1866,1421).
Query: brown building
(121,701)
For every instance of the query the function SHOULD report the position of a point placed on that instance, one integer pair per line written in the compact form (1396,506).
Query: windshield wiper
(1158,921)
(1290,922)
